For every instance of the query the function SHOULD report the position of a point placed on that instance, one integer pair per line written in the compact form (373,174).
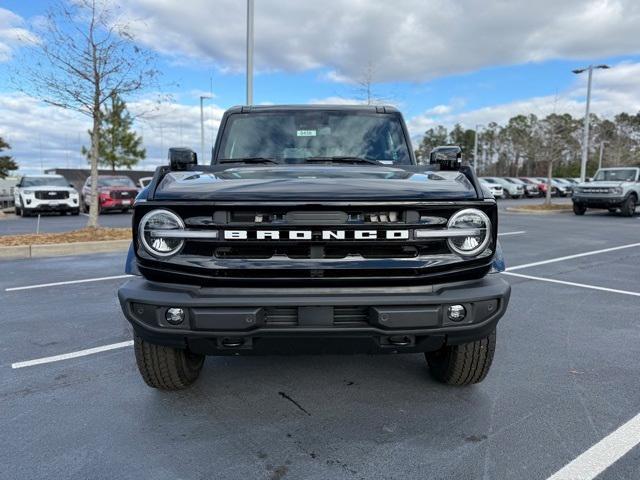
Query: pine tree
(6,162)
(119,145)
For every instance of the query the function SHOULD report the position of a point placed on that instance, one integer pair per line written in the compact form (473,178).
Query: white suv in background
(495,189)
(45,193)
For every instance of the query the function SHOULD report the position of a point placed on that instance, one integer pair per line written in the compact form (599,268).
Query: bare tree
(85,55)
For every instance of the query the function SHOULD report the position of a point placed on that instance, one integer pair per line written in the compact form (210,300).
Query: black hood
(314,183)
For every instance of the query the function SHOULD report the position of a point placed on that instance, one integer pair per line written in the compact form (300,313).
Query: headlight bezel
(143,240)
(487,232)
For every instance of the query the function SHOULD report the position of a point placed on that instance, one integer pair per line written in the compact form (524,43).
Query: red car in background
(115,192)
(541,183)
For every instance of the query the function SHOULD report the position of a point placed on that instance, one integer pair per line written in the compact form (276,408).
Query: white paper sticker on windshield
(306,133)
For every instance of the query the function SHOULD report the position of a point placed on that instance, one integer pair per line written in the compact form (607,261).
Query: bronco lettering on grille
(320,234)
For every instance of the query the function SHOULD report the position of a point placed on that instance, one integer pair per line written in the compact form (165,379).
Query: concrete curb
(537,212)
(63,249)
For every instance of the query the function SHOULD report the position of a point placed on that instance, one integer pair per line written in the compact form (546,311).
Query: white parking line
(512,233)
(571,257)
(573,284)
(69,282)
(603,454)
(67,356)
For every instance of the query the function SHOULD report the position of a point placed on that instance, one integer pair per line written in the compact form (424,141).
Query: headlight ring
(157,221)
(470,218)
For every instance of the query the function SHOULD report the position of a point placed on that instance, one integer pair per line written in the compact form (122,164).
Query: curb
(63,249)
(537,212)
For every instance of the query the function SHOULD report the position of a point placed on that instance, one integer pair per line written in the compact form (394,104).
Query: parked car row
(519,187)
(35,194)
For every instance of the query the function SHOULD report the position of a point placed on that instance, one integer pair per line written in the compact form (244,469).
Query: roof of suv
(285,108)
(43,175)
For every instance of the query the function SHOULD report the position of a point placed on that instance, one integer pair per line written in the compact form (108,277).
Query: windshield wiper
(248,160)
(345,159)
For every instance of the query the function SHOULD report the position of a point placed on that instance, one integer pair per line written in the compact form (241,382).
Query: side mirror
(182,158)
(448,157)
(72,185)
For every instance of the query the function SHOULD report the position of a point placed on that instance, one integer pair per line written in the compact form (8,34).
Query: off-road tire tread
(626,209)
(165,368)
(463,364)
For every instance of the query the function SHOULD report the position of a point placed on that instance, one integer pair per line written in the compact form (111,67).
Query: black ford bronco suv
(314,230)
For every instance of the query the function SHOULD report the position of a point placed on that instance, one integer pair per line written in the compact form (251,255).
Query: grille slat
(281,316)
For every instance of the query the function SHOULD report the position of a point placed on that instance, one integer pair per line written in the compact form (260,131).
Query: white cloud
(403,40)
(12,33)
(43,136)
(336,101)
(614,91)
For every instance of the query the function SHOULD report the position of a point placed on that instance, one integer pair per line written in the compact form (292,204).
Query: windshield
(627,175)
(44,182)
(490,180)
(115,182)
(295,136)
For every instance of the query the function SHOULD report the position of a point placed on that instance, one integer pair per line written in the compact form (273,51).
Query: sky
(439,61)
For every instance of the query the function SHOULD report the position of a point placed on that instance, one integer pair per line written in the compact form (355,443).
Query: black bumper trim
(144,304)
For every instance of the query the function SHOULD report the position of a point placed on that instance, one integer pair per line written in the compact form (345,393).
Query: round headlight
(155,233)
(475,232)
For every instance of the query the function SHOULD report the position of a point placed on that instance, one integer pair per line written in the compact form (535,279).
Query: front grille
(123,194)
(322,256)
(52,195)
(595,190)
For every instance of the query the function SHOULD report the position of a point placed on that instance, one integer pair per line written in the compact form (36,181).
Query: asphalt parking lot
(565,376)
(54,222)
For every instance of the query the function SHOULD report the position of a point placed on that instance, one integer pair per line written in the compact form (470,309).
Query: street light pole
(475,147)
(601,152)
(250,52)
(202,98)
(585,139)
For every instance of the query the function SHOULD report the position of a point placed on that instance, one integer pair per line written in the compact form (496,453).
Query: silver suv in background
(611,188)
(45,193)
(511,190)
(530,190)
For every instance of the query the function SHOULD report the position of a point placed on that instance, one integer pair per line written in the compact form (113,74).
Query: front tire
(166,368)
(463,364)
(579,209)
(629,206)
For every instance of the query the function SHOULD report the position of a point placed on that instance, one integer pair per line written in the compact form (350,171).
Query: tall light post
(250,52)
(602,144)
(585,140)
(475,146)
(202,98)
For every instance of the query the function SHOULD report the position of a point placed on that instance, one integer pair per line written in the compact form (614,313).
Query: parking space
(564,378)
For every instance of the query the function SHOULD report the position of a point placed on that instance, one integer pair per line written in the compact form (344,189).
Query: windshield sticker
(306,133)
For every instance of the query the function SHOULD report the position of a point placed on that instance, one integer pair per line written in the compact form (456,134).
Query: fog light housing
(174,315)
(456,313)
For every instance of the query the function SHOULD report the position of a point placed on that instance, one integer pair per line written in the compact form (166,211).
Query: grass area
(82,235)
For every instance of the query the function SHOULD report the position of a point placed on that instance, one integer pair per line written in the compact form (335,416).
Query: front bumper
(263,320)
(62,205)
(608,201)
(115,204)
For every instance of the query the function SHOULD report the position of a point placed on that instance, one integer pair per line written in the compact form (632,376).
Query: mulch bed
(82,235)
